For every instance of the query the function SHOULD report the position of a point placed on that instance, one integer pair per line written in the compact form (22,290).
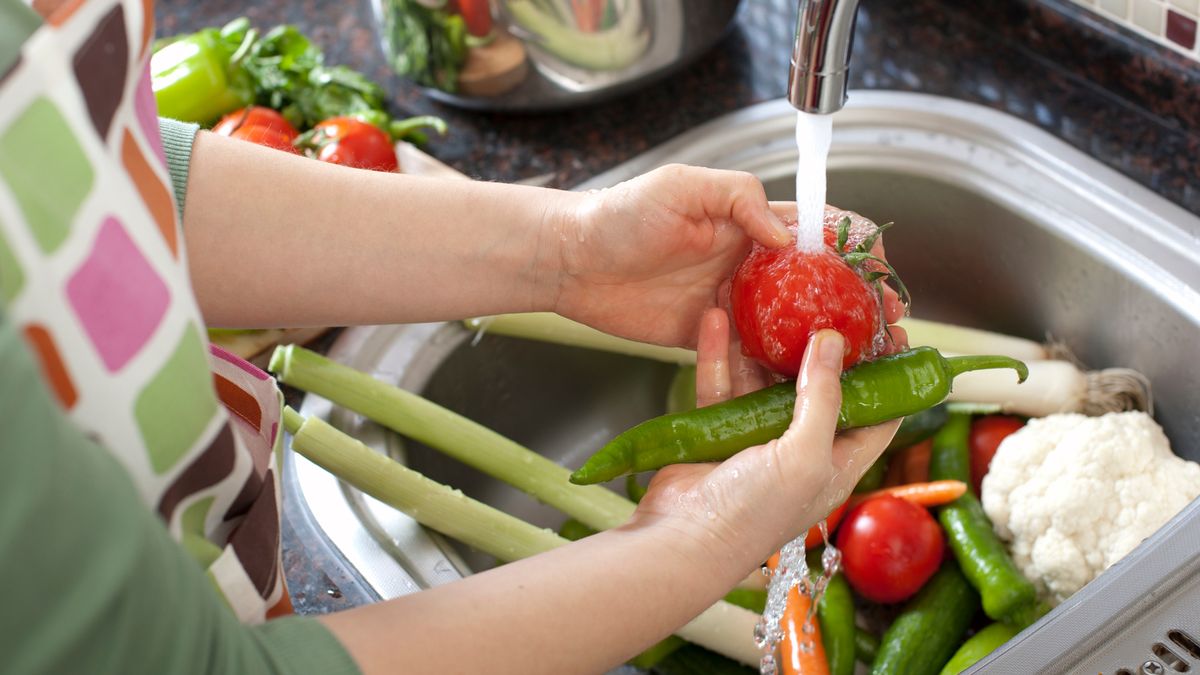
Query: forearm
(582,608)
(279,240)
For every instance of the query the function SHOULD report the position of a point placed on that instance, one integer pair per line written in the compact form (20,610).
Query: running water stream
(813,136)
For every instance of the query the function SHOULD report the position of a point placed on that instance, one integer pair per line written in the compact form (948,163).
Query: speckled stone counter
(1132,105)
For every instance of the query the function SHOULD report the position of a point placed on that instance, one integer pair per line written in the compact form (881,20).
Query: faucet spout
(817,81)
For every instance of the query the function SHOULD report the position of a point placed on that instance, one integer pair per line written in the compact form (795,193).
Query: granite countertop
(1132,105)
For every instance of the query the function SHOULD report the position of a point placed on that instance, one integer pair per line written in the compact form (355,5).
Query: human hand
(748,506)
(645,258)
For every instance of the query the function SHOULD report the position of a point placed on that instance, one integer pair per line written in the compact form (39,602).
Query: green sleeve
(178,139)
(93,582)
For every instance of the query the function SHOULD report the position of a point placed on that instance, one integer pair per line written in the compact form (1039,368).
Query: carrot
(801,651)
(933,493)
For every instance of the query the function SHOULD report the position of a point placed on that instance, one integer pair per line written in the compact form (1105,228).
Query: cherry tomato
(814,539)
(255,116)
(780,297)
(353,142)
(890,548)
(986,434)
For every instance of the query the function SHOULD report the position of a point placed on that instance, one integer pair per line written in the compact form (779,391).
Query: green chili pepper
(873,392)
(1007,595)
(978,646)
(950,459)
(835,614)
(197,78)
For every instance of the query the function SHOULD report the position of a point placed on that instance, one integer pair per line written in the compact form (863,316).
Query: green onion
(550,327)
(434,505)
(469,442)
(723,628)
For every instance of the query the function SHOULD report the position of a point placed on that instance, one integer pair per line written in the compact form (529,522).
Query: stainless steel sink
(998,225)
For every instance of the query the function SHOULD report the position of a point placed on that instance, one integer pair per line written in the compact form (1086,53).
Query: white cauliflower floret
(1073,494)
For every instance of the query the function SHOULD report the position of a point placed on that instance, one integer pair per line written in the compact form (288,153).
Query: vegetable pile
(969,527)
(267,88)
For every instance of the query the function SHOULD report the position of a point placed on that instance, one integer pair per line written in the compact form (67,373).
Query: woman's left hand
(645,258)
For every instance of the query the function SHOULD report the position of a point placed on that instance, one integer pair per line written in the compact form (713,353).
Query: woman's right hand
(748,506)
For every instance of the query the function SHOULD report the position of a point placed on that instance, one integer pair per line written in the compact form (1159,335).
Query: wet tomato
(890,548)
(780,297)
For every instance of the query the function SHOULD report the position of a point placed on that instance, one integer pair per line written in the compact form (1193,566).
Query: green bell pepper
(197,78)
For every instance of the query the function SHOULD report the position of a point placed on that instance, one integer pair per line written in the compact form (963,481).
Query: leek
(963,340)
(432,504)
(723,628)
(550,327)
(469,442)
(1057,387)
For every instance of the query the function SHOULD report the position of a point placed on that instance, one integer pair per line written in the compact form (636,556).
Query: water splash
(792,572)
(813,135)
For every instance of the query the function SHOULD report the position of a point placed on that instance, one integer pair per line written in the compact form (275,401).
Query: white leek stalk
(962,340)
(723,628)
(1057,387)
(550,327)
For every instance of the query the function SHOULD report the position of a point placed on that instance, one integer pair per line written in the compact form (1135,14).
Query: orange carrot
(801,651)
(934,493)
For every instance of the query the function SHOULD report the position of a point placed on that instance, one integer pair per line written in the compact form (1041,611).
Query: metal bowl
(645,40)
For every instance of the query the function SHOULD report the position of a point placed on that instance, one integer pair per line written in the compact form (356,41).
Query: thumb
(818,397)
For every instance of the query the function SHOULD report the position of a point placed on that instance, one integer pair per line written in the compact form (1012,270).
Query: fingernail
(830,348)
(782,234)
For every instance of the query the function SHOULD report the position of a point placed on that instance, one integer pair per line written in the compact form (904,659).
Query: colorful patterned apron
(94,273)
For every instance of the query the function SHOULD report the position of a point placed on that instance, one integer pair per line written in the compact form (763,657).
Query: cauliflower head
(1073,494)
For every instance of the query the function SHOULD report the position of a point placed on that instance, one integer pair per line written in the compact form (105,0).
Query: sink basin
(998,226)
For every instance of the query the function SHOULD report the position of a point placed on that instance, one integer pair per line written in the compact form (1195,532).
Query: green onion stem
(439,428)
(435,505)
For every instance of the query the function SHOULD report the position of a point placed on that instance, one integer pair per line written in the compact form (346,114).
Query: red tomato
(986,434)
(353,142)
(814,539)
(890,548)
(255,116)
(780,297)
(266,136)
(478,16)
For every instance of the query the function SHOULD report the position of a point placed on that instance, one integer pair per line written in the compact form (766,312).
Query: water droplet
(760,634)
(767,665)
(737,474)
(711,515)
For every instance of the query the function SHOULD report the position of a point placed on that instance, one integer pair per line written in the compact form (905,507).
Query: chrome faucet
(817,80)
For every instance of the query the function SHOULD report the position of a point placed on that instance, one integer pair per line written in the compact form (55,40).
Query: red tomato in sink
(890,548)
(986,434)
(353,142)
(781,297)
